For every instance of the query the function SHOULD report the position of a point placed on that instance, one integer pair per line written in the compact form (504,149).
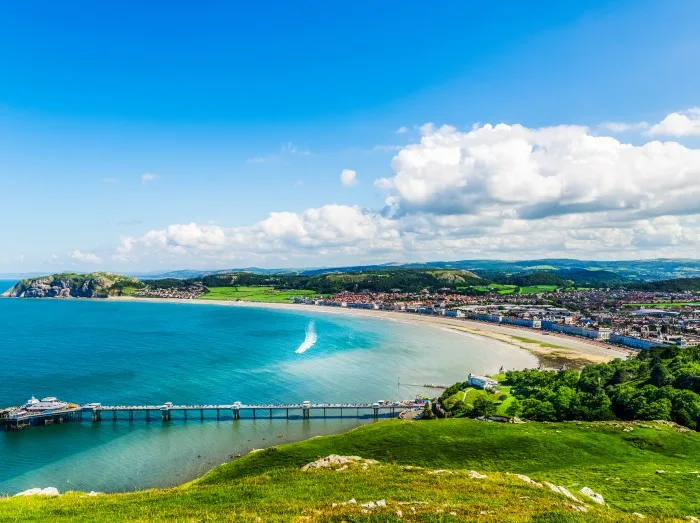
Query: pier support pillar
(131,415)
(185,413)
(96,416)
(376,413)
(148,415)
(324,412)
(165,415)
(114,415)
(201,414)
(236,414)
(254,414)
(287,413)
(218,414)
(270,413)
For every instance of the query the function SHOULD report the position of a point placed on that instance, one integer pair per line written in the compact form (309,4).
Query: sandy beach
(553,350)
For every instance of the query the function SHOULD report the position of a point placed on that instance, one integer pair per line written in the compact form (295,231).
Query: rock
(339,462)
(381,503)
(661,472)
(93,493)
(693,519)
(453,514)
(48,491)
(578,508)
(371,504)
(475,475)
(593,496)
(528,480)
(399,513)
(352,501)
(637,514)
(563,491)
(439,471)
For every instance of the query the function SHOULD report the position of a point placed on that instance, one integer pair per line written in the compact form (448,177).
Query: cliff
(71,285)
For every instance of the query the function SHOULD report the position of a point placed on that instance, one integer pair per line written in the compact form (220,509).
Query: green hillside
(651,469)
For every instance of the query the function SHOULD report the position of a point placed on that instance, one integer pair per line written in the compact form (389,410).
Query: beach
(553,350)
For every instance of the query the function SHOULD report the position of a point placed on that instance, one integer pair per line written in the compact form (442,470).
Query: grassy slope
(260,294)
(269,485)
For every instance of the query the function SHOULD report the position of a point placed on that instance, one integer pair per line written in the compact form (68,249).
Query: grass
(537,289)
(269,485)
(540,343)
(257,294)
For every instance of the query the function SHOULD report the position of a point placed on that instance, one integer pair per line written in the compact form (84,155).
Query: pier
(50,411)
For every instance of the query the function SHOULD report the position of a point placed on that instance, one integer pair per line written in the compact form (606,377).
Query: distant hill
(676,285)
(636,270)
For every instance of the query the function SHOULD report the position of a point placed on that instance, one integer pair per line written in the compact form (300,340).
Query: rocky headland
(70,285)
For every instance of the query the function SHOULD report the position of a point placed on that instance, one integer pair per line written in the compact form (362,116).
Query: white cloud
(348,177)
(85,257)
(256,159)
(490,191)
(535,173)
(402,130)
(110,179)
(331,228)
(290,148)
(623,127)
(148,177)
(684,123)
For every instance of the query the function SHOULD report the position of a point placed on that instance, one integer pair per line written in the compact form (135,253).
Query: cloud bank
(490,191)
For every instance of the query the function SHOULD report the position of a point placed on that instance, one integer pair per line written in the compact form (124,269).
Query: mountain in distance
(565,268)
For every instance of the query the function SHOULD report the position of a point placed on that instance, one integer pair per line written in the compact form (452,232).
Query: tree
(537,410)
(514,408)
(657,410)
(483,406)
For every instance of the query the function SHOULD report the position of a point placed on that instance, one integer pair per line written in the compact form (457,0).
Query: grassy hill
(620,461)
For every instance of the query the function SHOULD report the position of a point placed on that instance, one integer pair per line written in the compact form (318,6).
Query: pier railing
(97,412)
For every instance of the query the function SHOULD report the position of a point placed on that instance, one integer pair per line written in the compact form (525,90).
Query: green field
(536,289)
(257,294)
(665,304)
(540,343)
(270,486)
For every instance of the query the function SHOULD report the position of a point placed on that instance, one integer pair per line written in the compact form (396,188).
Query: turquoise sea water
(148,353)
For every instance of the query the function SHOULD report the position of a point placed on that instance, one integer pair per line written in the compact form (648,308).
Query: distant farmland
(257,294)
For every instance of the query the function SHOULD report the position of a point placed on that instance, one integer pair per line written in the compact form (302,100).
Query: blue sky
(234,112)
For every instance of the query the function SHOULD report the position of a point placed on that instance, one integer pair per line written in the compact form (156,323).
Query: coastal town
(632,319)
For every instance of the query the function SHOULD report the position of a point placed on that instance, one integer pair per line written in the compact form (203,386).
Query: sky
(155,136)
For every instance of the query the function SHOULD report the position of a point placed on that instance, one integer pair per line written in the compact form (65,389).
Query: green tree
(657,410)
(536,410)
(483,406)
(514,408)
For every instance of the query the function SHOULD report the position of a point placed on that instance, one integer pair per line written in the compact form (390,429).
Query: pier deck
(21,419)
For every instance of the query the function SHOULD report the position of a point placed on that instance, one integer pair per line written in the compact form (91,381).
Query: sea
(129,353)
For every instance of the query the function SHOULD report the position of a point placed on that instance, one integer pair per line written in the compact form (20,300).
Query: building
(481,382)
(635,343)
(600,334)
(522,322)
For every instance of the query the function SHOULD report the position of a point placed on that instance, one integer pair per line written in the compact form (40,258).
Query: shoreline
(550,349)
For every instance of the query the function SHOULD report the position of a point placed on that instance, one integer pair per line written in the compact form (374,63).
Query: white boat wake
(309,340)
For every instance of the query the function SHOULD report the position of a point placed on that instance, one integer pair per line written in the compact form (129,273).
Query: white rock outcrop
(561,490)
(593,496)
(48,491)
(334,461)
